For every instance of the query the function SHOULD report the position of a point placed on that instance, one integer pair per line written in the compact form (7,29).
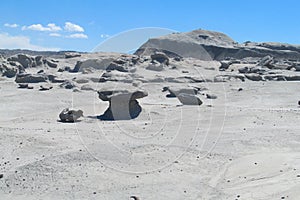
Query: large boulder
(123,104)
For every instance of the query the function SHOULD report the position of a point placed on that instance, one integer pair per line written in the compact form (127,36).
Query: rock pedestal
(122,104)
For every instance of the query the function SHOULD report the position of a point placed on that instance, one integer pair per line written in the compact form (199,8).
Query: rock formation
(123,104)
(211,45)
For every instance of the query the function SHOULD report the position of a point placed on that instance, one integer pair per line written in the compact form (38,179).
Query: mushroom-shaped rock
(122,104)
(70,115)
(189,99)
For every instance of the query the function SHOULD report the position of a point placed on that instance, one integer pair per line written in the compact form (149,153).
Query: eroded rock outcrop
(211,45)
(123,104)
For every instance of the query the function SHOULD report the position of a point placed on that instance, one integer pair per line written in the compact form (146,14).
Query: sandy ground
(244,145)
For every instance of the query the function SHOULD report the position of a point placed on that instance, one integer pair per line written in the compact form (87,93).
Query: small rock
(266,61)
(51,64)
(254,77)
(45,87)
(23,85)
(1,176)
(211,96)
(81,80)
(72,55)
(155,67)
(87,87)
(70,115)
(244,70)
(160,57)
(224,65)
(67,85)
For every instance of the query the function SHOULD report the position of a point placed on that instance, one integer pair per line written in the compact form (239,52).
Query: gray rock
(87,87)
(258,70)
(160,57)
(23,85)
(244,70)
(189,99)
(67,85)
(155,67)
(265,61)
(31,78)
(175,91)
(70,115)
(254,77)
(81,80)
(224,65)
(25,60)
(51,64)
(121,67)
(9,71)
(122,104)
(45,87)
(55,79)
(92,64)
(211,96)
(38,60)
(72,55)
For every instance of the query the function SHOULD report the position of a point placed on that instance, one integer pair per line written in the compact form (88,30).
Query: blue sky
(82,24)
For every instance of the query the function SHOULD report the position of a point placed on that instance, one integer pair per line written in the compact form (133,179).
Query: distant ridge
(11,52)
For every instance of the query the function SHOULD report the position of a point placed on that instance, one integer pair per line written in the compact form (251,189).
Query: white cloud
(38,27)
(20,42)
(11,25)
(104,35)
(78,35)
(55,35)
(73,27)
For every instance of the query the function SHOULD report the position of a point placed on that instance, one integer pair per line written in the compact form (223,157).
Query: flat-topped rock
(31,78)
